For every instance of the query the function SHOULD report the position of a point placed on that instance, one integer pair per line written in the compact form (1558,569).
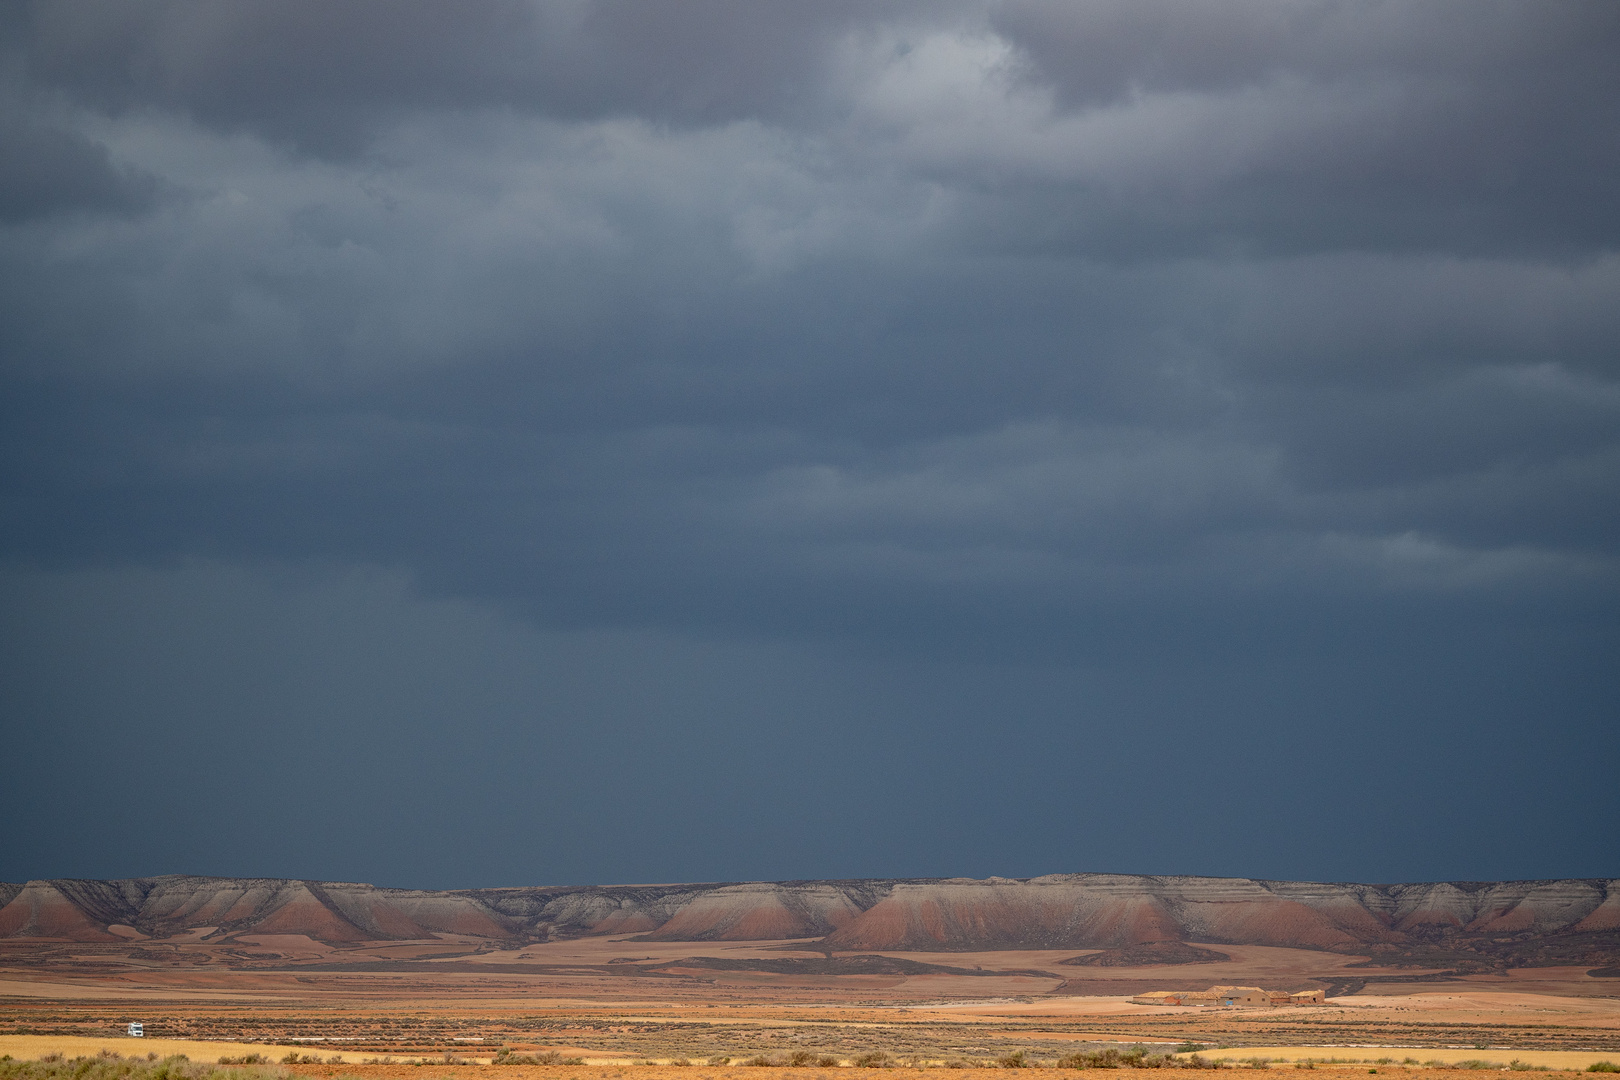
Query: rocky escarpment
(1496,923)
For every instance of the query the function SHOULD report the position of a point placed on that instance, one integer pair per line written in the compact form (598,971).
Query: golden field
(616,1001)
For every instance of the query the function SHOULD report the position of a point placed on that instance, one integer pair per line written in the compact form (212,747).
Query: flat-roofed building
(1160,997)
(1231,996)
(1240,995)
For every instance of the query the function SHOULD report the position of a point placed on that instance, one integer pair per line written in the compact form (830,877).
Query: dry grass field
(38,1046)
(615,1002)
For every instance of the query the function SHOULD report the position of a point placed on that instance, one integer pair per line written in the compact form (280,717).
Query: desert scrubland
(637,999)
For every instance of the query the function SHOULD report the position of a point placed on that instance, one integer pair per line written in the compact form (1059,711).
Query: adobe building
(1159,997)
(1240,995)
(1230,997)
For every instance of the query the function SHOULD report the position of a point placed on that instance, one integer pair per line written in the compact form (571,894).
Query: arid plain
(347,1001)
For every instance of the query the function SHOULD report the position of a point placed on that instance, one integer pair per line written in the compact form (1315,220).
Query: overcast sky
(567,441)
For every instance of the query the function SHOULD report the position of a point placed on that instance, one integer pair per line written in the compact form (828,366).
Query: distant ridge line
(1574,920)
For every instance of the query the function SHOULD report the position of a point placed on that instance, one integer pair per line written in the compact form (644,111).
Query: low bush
(544,1057)
(874,1059)
(1134,1058)
(1603,1066)
(505,1056)
(111,1066)
(294,1058)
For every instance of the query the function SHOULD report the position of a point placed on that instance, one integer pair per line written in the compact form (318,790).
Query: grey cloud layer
(824,318)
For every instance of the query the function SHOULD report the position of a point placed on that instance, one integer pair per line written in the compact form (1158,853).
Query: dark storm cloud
(1152,346)
(47,170)
(325,76)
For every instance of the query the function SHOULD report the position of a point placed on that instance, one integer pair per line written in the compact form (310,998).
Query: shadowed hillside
(1470,923)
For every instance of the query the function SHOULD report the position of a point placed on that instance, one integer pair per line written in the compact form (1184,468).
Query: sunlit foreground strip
(1396,1055)
(17,1049)
(32,1047)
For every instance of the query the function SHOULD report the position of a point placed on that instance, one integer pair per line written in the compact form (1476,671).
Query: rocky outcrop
(1059,911)
(46,909)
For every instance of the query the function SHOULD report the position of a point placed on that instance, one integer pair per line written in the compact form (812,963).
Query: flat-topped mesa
(1120,913)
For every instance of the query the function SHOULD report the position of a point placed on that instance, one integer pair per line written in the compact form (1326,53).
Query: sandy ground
(1562,1062)
(30,1047)
(1491,1006)
(1552,1059)
(1052,1006)
(653,1072)
(84,990)
(416,995)
(293,966)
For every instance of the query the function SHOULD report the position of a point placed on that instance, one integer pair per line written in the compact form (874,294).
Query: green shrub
(1135,1058)
(505,1056)
(1603,1066)
(1091,1059)
(111,1066)
(874,1059)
